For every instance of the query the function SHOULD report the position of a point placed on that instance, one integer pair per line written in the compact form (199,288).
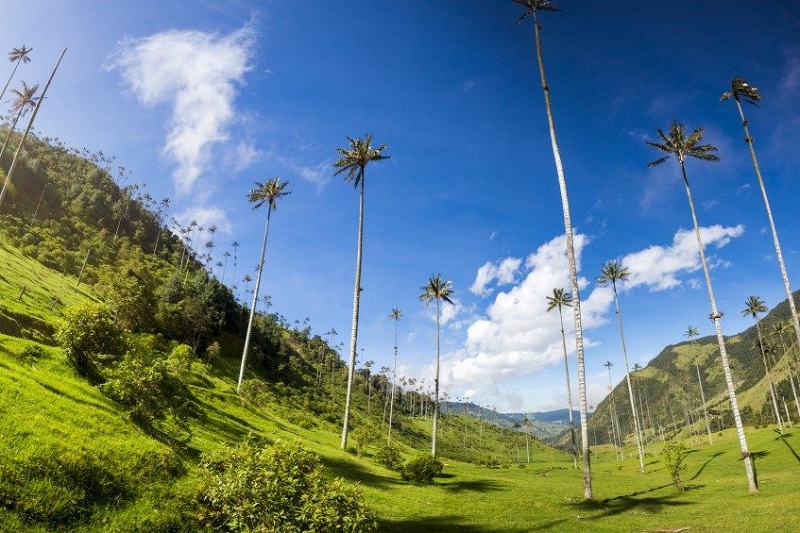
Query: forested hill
(667,391)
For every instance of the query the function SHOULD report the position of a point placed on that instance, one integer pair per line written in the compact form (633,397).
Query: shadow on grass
(353,471)
(700,470)
(71,397)
(623,504)
(439,523)
(478,485)
(783,440)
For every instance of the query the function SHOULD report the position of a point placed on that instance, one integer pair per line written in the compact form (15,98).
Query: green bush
(254,393)
(673,455)
(389,456)
(181,358)
(422,469)
(279,488)
(88,336)
(365,435)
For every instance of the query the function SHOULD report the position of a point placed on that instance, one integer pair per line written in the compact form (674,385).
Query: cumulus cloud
(503,272)
(518,336)
(195,73)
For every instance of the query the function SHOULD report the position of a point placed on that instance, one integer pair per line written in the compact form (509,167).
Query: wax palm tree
(560,299)
(268,193)
(741,90)
(677,144)
(439,290)
(753,307)
(394,315)
(16,56)
(353,163)
(31,120)
(612,273)
(691,333)
(532,8)
(616,433)
(24,99)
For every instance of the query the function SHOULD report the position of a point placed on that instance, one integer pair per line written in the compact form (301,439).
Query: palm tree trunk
(569,392)
(28,129)
(11,131)
(354,329)
(772,391)
(394,378)
(723,354)
(573,273)
(255,302)
(8,82)
(703,399)
(436,385)
(636,429)
(778,253)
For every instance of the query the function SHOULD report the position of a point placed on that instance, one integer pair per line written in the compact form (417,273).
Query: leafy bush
(181,358)
(365,436)
(422,469)
(254,393)
(279,488)
(673,455)
(89,335)
(389,456)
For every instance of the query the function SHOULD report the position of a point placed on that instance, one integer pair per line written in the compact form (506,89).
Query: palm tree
(741,90)
(31,120)
(532,8)
(616,433)
(680,146)
(24,100)
(560,299)
(753,306)
(16,56)
(691,333)
(394,315)
(353,163)
(268,193)
(611,273)
(439,290)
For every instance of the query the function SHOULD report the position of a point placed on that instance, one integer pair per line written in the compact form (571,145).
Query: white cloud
(206,217)
(503,272)
(197,74)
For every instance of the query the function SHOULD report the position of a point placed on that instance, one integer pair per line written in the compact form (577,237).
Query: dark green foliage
(366,435)
(278,488)
(89,335)
(254,393)
(673,455)
(422,469)
(389,456)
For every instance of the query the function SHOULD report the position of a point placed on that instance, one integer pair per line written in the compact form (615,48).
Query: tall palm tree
(31,120)
(353,162)
(24,99)
(439,290)
(611,273)
(691,333)
(616,433)
(532,8)
(677,144)
(394,315)
(268,193)
(16,56)
(560,299)
(741,90)
(753,306)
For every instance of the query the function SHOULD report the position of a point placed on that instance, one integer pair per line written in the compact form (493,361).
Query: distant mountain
(546,426)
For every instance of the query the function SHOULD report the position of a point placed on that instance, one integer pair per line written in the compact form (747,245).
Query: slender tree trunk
(636,428)
(569,391)
(255,301)
(436,384)
(723,354)
(573,272)
(28,129)
(394,378)
(772,391)
(778,253)
(356,303)
(5,87)
(702,392)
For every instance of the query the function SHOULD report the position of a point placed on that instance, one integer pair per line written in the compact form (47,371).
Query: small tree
(88,334)
(673,455)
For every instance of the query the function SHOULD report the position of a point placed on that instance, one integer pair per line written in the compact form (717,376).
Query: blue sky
(200,99)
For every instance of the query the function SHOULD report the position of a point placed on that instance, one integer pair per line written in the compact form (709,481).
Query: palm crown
(24,98)
(741,90)
(268,192)
(560,298)
(20,54)
(437,289)
(532,6)
(691,332)
(355,159)
(679,145)
(753,306)
(612,272)
(395,314)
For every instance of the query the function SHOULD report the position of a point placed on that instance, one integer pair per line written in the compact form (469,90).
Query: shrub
(422,469)
(180,360)
(389,456)
(278,488)
(213,351)
(673,455)
(87,334)
(254,393)
(365,436)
